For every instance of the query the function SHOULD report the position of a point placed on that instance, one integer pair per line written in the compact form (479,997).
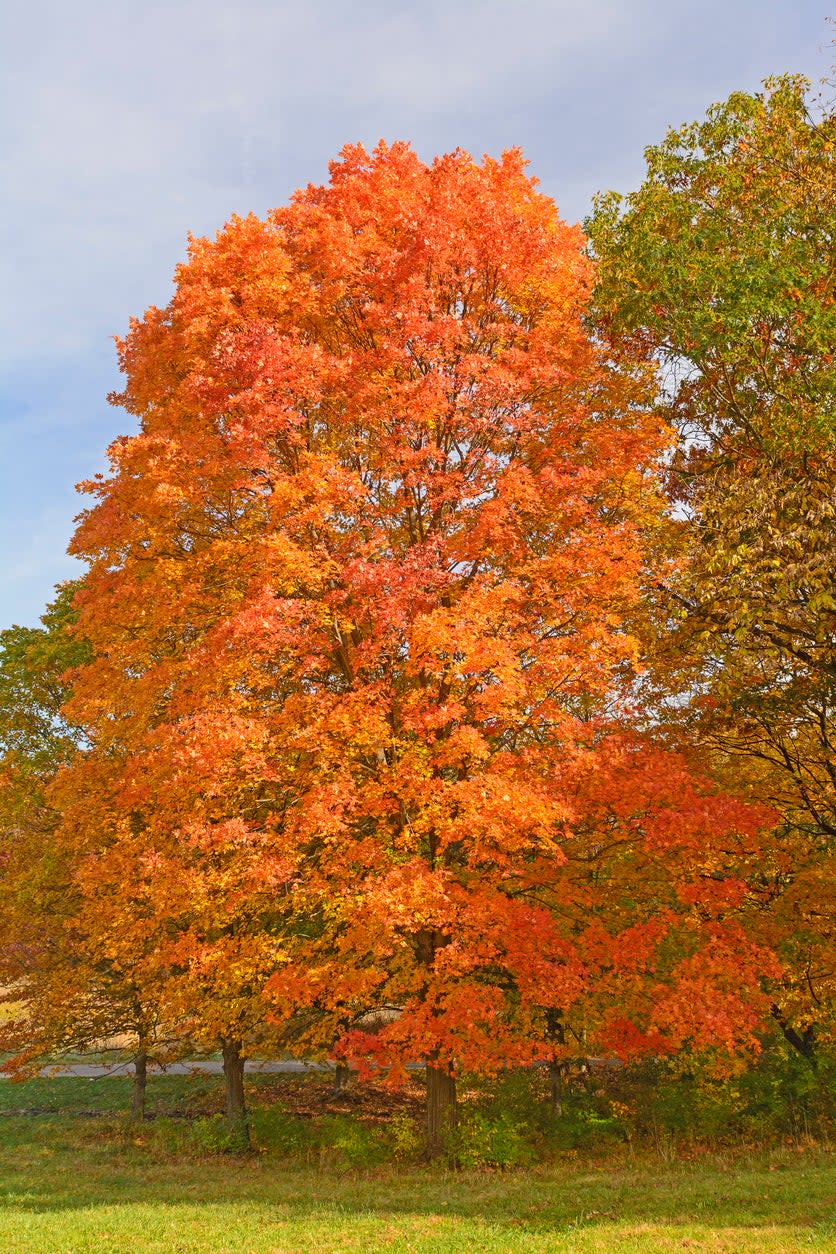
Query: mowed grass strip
(70,1185)
(63,1197)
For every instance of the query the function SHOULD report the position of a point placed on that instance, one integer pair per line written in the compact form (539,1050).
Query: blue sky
(125,126)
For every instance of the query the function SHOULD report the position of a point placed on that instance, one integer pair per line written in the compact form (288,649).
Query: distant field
(76,1180)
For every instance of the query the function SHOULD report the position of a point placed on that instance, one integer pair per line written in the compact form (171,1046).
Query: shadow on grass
(45,1166)
(58,1170)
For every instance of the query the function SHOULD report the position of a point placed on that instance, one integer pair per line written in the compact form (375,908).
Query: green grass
(71,1184)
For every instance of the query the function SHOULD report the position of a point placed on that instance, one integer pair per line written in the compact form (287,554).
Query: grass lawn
(72,1181)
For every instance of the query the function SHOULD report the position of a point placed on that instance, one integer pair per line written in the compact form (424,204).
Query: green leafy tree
(721,267)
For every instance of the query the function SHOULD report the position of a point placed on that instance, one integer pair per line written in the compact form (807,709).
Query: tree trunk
(556,1031)
(804,1042)
(138,1090)
(442,1113)
(236,1108)
(556,1088)
(341,1074)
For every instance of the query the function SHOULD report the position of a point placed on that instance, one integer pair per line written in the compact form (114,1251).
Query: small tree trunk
(341,1074)
(236,1109)
(138,1090)
(804,1042)
(556,1031)
(556,1088)
(442,1113)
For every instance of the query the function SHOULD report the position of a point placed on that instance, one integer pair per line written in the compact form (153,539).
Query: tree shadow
(793,1195)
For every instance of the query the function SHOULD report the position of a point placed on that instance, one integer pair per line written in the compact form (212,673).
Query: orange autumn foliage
(359,597)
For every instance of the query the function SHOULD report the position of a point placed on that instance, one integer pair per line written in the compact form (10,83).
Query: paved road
(93,1071)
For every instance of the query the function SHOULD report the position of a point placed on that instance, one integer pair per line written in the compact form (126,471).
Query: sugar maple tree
(357,593)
